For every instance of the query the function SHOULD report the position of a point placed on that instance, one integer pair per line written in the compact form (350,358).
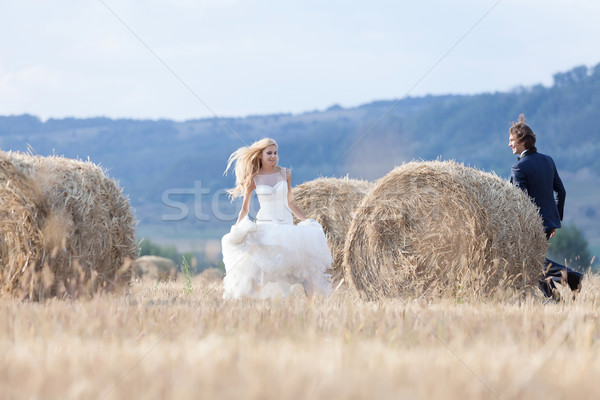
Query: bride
(271,257)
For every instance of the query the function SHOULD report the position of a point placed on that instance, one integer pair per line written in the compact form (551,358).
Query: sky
(189,59)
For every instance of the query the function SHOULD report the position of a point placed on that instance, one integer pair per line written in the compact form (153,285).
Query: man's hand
(552,233)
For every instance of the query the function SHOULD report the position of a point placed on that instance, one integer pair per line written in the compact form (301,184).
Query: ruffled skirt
(268,260)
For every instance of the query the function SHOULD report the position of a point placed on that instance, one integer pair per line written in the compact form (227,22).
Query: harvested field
(441,229)
(159,342)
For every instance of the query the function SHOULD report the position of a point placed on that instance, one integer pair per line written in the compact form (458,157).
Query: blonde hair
(247,164)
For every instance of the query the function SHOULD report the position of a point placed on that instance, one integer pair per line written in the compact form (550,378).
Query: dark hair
(523,133)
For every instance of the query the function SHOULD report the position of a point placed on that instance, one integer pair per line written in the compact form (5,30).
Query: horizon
(516,87)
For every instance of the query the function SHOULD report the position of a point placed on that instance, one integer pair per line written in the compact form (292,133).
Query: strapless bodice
(273,204)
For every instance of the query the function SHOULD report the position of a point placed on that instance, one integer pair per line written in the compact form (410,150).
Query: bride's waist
(281,216)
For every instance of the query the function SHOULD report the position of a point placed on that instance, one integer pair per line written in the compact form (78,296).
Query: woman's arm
(246,203)
(293,207)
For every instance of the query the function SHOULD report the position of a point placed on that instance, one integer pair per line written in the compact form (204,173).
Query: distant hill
(155,160)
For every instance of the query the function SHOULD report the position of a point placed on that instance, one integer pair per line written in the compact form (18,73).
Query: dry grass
(66,230)
(158,342)
(332,202)
(443,229)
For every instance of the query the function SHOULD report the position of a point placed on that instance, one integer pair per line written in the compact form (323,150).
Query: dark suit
(536,175)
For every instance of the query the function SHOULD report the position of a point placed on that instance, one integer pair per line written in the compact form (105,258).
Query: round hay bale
(67,228)
(212,275)
(22,212)
(332,202)
(155,268)
(440,228)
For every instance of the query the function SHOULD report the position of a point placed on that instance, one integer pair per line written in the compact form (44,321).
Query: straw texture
(332,202)
(67,229)
(155,268)
(443,229)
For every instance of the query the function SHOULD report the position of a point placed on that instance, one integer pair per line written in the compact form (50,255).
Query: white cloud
(111,44)
(245,57)
(17,84)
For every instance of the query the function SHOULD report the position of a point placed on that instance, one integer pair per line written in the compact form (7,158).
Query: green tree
(569,244)
(148,248)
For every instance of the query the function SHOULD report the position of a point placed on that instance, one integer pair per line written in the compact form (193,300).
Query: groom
(536,175)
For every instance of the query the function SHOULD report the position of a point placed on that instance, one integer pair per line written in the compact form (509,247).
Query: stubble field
(159,341)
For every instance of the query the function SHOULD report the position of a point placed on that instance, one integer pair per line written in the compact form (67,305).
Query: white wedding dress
(272,257)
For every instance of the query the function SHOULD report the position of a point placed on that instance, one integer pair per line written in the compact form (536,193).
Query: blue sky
(183,59)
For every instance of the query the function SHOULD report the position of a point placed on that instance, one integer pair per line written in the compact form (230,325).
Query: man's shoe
(574,279)
(556,295)
(547,287)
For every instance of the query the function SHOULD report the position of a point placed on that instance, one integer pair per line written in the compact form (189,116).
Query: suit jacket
(536,175)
